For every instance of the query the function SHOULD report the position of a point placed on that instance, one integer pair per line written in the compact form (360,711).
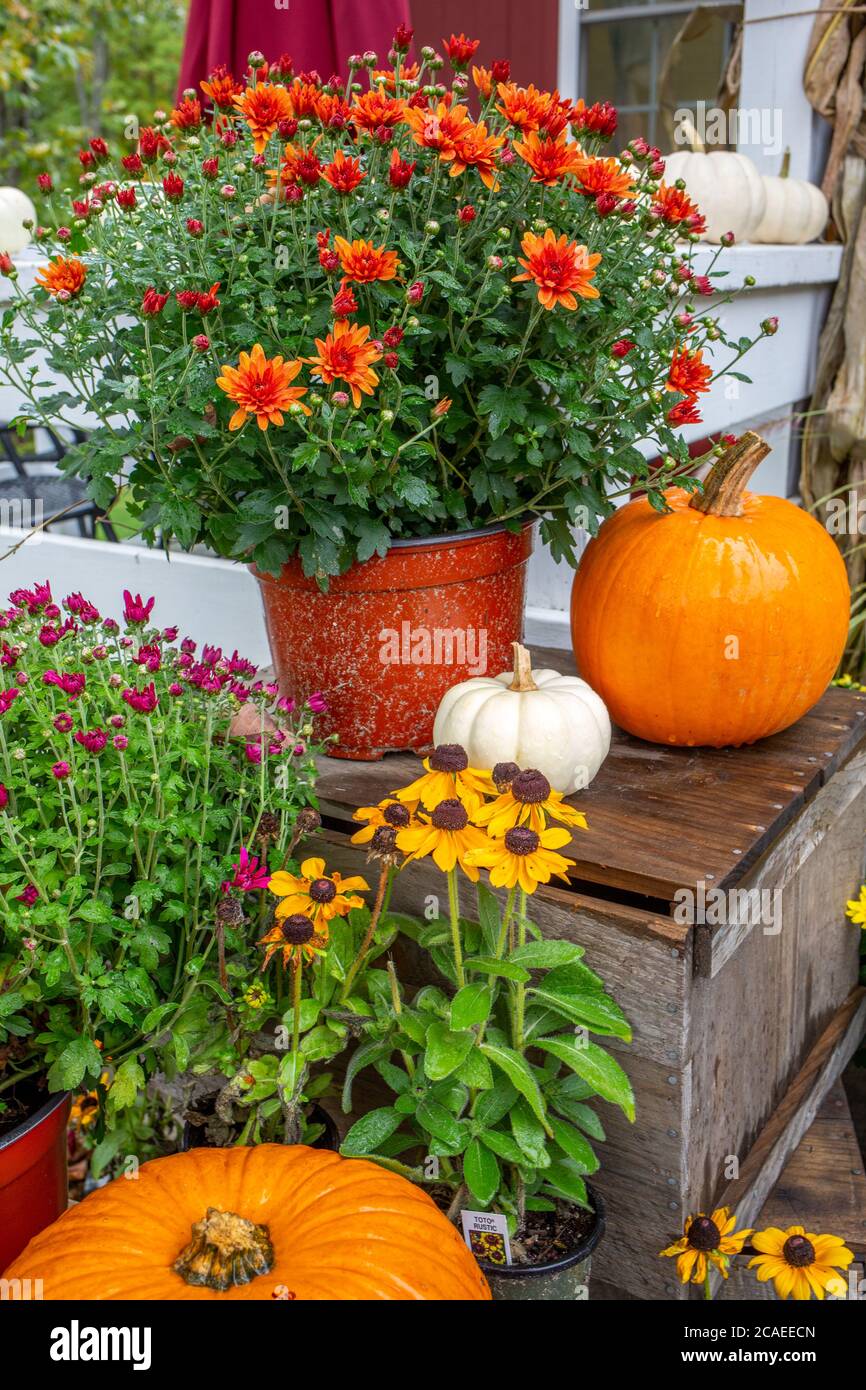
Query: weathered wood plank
(661,818)
(776,1143)
(715,945)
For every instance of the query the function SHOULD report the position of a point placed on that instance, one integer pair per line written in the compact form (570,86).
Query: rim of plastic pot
(19,1131)
(582,1252)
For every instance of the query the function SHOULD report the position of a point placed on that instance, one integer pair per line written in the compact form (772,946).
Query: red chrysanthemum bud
(210,167)
(384,134)
(622,347)
(287,128)
(126,199)
(770,326)
(99,147)
(201,342)
(85,158)
(153,303)
(63,234)
(132,163)
(194,227)
(344,303)
(340,399)
(466,214)
(172,187)
(228,192)
(393,337)
(329,260)
(415,292)
(45,182)
(460,49)
(500,70)
(391,360)
(702,284)
(6,265)
(187,299)
(627,209)
(403,38)
(605,204)
(727,238)
(400,171)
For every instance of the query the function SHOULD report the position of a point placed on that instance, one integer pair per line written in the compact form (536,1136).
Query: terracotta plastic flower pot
(393,634)
(563,1280)
(32,1176)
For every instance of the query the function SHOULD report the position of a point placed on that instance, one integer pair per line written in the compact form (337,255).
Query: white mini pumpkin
(538,719)
(726,186)
(15,209)
(796,211)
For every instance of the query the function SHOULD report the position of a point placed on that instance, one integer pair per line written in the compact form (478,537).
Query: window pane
(625,62)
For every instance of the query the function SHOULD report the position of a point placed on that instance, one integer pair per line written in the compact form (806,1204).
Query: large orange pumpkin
(717,623)
(257,1223)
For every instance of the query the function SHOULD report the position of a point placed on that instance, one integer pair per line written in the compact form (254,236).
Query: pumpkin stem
(785,170)
(694,141)
(726,481)
(225,1250)
(522,669)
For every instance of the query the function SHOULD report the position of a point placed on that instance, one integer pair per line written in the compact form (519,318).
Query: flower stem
(384,884)
(454,907)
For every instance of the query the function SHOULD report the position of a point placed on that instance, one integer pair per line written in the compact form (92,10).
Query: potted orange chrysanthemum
(361,335)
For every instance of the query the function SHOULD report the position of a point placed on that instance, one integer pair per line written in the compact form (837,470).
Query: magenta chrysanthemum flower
(136,609)
(144,701)
(4,797)
(93,740)
(63,723)
(250,874)
(29,896)
(61,770)
(317,703)
(121,742)
(7,699)
(72,683)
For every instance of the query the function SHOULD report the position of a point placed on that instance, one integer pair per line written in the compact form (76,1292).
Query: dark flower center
(322,890)
(450,815)
(384,840)
(449,757)
(229,912)
(521,840)
(396,814)
(297,930)
(503,775)
(704,1234)
(798,1251)
(530,786)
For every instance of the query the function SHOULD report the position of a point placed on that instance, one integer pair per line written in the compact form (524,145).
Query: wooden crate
(738,1032)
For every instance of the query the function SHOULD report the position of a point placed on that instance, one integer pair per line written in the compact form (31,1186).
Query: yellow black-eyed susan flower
(529,800)
(448,777)
(707,1240)
(447,834)
(800,1264)
(524,857)
(319,895)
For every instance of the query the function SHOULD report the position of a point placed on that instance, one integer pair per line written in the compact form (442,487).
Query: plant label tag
(486,1234)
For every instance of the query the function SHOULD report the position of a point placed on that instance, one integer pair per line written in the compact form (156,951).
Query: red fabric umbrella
(319,34)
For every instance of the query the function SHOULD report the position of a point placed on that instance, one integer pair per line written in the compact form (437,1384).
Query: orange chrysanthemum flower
(688,373)
(549,160)
(330,108)
(346,354)
(263,107)
(363,262)
(343,174)
(437,129)
(483,79)
(304,98)
(604,176)
(222,88)
(675,206)
(523,107)
(375,108)
(475,149)
(260,386)
(560,268)
(62,276)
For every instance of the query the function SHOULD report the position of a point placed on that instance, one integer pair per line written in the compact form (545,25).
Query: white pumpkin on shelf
(796,211)
(15,209)
(727,188)
(537,719)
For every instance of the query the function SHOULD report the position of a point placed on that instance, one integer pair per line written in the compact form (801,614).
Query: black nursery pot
(563,1281)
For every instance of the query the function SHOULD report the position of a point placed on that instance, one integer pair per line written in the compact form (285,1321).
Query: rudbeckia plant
(312,317)
(150,787)
(492,1068)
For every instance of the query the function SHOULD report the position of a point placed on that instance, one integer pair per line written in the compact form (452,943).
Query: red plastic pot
(393,634)
(32,1176)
